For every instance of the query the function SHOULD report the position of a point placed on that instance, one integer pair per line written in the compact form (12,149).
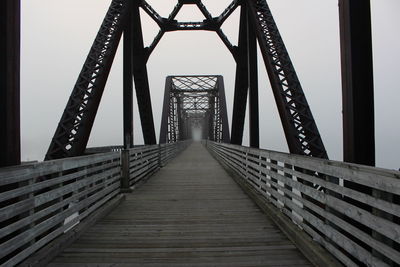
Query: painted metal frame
(194,101)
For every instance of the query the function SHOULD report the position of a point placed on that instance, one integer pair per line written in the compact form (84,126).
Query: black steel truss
(194,102)
(298,123)
(256,19)
(72,133)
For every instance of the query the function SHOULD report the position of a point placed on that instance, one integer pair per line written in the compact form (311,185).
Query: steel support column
(140,57)
(10,144)
(224,113)
(73,131)
(357,82)
(241,81)
(298,123)
(128,83)
(180,118)
(165,111)
(253,89)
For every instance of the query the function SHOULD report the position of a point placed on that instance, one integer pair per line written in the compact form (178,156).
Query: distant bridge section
(194,104)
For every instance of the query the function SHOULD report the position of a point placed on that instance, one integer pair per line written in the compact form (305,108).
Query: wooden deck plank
(191,213)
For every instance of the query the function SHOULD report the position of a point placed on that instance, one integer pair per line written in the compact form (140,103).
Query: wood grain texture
(191,213)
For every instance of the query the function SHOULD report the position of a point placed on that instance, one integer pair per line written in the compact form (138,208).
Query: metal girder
(170,24)
(357,82)
(165,111)
(194,101)
(228,11)
(241,81)
(223,110)
(10,26)
(128,83)
(300,129)
(140,57)
(152,13)
(72,134)
(253,89)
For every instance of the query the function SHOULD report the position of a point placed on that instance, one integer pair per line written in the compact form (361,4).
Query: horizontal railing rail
(41,201)
(170,150)
(356,227)
(102,149)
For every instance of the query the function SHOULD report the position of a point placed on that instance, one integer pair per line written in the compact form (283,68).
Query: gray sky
(57,35)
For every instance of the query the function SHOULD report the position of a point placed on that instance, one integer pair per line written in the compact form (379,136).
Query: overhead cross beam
(256,21)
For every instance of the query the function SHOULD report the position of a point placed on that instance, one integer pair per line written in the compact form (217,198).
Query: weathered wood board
(190,213)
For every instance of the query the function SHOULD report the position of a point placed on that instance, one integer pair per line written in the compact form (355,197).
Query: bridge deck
(191,213)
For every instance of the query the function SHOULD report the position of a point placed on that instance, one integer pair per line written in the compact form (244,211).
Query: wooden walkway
(191,213)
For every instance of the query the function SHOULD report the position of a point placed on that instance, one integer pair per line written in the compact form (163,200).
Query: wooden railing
(143,161)
(170,150)
(356,227)
(41,201)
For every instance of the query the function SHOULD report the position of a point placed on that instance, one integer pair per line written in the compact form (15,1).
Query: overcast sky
(57,35)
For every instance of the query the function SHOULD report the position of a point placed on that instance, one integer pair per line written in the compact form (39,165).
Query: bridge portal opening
(194,108)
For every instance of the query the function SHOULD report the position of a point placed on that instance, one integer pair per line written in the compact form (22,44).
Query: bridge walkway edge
(190,213)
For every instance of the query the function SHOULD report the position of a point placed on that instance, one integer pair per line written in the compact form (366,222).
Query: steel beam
(141,79)
(299,126)
(165,111)
(10,144)
(357,82)
(128,83)
(253,89)
(73,131)
(241,81)
(223,110)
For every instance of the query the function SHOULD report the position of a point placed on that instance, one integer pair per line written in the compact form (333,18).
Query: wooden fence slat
(45,212)
(275,174)
(9,176)
(24,237)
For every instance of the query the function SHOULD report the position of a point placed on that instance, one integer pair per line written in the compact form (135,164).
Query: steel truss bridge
(182,203)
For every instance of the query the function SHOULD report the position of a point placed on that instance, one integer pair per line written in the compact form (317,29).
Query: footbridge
(196,196)
(198,204)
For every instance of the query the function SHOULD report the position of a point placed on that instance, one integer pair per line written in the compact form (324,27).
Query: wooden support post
(125,177)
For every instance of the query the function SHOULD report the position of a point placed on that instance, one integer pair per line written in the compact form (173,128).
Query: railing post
(159,157)
(125,158)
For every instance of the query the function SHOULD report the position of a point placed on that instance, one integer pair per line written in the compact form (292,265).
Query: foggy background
(57,35)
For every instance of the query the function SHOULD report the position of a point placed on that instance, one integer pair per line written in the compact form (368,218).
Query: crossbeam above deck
(191,213)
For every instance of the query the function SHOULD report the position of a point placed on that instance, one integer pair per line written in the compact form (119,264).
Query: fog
(57,35)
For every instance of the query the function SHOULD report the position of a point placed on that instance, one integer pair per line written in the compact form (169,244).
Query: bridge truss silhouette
(256,25)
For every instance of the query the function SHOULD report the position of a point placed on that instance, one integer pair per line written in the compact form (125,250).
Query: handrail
(354,226)
(41,201)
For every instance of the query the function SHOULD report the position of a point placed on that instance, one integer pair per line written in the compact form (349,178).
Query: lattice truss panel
(194,103)
(72,133)
(301,131)
(78,117)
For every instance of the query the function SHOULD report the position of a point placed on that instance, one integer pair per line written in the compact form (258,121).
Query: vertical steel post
(179,117)
(165,112)
(10,144)
(140,56)
(128,83)
(357,82)
(253,87)
(241,82)
(223,110)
